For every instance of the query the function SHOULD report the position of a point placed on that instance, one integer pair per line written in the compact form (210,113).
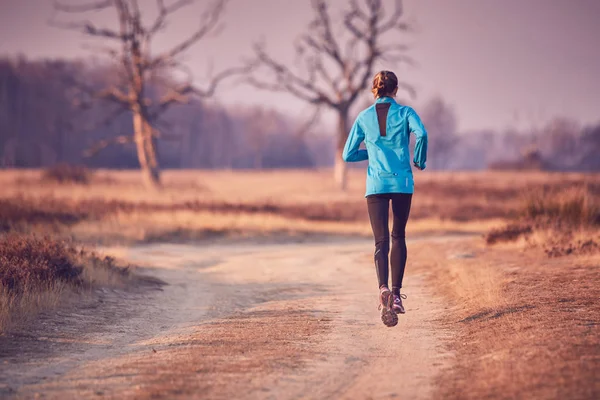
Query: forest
(44,121)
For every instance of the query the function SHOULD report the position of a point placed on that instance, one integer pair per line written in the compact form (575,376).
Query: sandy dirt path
(284,321)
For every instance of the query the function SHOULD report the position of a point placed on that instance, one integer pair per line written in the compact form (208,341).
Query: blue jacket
(387,142)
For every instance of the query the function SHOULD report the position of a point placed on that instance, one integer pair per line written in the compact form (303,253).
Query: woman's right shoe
(388,315)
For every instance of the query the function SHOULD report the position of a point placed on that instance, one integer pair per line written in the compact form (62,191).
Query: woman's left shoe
(398,307)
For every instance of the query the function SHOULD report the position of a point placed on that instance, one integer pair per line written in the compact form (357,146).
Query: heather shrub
(30,262)
(577,207)
(36,272)
(17,213)
(556,219)
(67,173)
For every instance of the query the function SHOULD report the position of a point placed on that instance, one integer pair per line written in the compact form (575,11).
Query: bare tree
(336,60)
(138,66)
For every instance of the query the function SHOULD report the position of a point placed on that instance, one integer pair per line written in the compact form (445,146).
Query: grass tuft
(67,174)
(573,208)
(562,221)
(34,272)
(21,214)
(30,262)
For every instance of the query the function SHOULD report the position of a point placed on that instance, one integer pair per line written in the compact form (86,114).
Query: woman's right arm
(416,126)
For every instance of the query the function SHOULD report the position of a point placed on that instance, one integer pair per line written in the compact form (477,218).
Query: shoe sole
(388,315)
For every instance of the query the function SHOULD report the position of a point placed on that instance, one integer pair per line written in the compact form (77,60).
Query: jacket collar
(385,99)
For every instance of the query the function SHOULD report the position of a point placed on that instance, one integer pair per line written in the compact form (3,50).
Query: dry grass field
(522,290)
(524,326)
(115,208)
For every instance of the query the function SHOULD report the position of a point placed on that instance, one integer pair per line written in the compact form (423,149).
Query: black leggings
(379,208)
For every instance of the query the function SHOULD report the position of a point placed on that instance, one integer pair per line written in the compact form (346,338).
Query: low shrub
(558,214)
(35,273)
(67,173)
(508,233)
(18,212)
(31,263)
(577,207)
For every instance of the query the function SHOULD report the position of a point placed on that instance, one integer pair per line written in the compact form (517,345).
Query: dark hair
(384,84)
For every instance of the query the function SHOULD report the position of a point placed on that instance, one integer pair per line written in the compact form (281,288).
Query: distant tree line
(562,144)
(45,120)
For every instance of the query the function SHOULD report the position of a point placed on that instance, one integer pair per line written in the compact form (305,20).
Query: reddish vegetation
(30,263)
(66,173)
(441,200)
(27,262)
(563,248)
(508,233)
(19,213)
(15,212)
(560,216)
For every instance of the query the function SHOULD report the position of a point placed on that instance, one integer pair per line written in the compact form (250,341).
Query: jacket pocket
(385,174)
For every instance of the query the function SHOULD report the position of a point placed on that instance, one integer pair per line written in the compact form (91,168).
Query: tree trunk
(146,149)
(340,171)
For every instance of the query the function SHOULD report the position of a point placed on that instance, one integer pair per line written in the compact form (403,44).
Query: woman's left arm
(352,153)
(416,126)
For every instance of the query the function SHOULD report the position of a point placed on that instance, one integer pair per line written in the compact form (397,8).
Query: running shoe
(386,304)
(397,306)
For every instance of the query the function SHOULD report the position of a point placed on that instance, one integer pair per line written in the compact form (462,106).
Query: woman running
(385,128)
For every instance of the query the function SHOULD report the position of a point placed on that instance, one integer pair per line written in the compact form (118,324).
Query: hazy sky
(498,62)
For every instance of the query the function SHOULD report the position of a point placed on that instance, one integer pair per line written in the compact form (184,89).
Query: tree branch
(81,8)
(173,96)
(323,24)
(369,36)
(288,81)
(109,51)
(110,118)
(319,67)
(111,94)
(217,79)
(114,94)
(164,11)
(88,28)
(210,20)
(180,94)
(319,45)
(393,21)
(102,144)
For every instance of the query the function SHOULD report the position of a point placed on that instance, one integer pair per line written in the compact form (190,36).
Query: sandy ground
(247,320)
